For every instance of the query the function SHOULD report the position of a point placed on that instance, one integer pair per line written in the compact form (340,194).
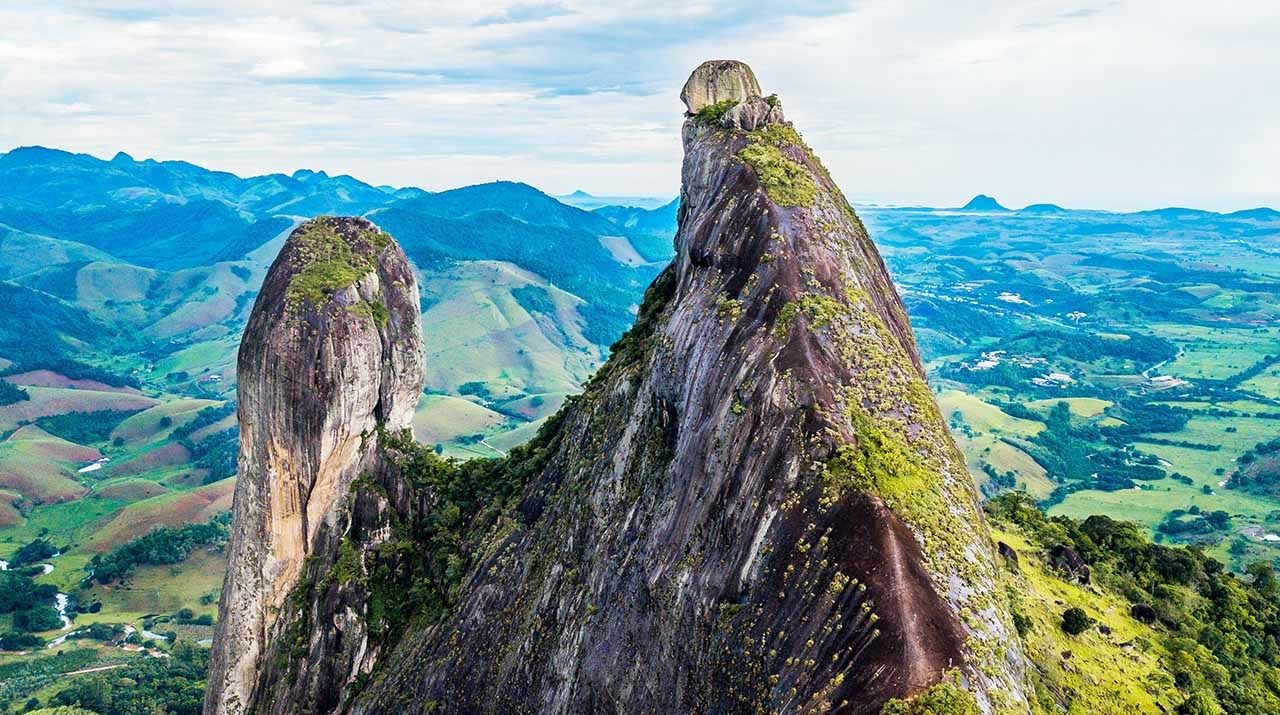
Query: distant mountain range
(590,202)
(149,257)
(166,215)
(139,255)
(985,203)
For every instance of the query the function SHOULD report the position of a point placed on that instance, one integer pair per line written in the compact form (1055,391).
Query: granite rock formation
(332,352)
(716,81)
(754,506)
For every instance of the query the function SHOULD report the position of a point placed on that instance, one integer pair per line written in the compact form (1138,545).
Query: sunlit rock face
(715,81)
(332,350)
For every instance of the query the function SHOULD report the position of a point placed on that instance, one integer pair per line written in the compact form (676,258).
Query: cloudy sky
(1090,103)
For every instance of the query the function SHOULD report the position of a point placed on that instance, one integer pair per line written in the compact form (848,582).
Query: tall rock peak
(331,353)
(755,505)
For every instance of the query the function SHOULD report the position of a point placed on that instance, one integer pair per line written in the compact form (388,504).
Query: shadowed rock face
(754,506)
(331,351)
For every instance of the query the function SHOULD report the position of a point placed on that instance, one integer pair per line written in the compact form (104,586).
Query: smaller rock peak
(716,81)
(753,113)
(332,352)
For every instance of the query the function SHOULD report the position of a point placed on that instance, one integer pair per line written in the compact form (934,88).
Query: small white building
(1165,382)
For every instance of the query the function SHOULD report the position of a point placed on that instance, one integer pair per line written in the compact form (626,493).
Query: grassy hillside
(1156,629)
(1116,667)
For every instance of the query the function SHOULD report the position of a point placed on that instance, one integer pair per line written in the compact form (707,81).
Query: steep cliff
(754,506)
(332,352)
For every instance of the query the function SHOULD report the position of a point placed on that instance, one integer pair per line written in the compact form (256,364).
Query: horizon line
(873,206)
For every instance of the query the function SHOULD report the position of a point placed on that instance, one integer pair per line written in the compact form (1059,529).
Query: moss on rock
(785,181)
(713,113)
(335,253)
(945,698)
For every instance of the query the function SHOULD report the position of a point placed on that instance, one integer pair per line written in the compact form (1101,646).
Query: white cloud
(1093,103)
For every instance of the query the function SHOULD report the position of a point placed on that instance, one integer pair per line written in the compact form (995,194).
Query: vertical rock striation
(331,352)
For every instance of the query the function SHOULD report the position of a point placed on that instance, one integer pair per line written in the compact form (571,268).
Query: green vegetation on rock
(330,260)
(879,462)
(945,698)
(786,181)
(712,113)
(418,573)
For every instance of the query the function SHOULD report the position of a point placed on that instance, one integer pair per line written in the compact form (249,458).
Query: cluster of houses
(1014,298)
(993,358)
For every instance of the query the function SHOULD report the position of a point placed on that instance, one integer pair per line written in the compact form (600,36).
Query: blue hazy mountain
(1178,212)
(1260,214)
(591,202)
(169,224)
(1042,209)
(519,201)
(982,202)
(650,229)
(506,221)
(48,328)
(163,214)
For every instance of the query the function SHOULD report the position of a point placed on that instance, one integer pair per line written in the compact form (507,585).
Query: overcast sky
(1104,104)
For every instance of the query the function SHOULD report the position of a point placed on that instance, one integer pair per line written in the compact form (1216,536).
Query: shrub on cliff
(1075,621)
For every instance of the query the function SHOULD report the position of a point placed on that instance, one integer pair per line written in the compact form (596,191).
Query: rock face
(331,352)
(753,113)
(715,81)
(755,505)
(1070,563)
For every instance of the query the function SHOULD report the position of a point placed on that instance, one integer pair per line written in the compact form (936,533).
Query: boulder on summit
(715,81)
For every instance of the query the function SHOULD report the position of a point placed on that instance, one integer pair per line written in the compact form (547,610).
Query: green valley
(1118,364)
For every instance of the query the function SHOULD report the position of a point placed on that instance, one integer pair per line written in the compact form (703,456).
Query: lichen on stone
(728,308)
